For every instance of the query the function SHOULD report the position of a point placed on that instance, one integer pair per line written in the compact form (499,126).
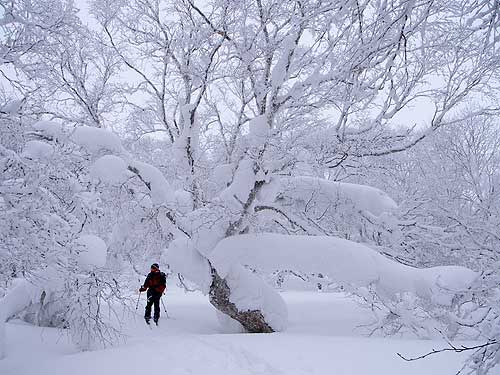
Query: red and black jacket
(156,281)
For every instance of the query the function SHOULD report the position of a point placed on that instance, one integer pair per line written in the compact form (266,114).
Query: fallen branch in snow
(452,348)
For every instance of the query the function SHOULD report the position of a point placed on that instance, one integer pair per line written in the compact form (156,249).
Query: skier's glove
(142,289)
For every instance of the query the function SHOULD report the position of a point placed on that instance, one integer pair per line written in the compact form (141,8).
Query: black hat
(155,265)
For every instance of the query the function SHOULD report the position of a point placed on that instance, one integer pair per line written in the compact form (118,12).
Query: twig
(452,348)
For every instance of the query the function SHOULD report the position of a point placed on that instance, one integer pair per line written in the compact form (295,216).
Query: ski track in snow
(322,338)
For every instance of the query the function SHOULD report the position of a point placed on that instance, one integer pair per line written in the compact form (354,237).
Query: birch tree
(264,89)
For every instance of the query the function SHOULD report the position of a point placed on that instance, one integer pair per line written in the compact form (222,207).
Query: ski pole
(137,304)
(166,312)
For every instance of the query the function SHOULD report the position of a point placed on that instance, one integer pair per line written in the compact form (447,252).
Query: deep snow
(323,337)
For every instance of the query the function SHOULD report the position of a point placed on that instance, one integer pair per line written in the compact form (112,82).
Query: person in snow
(155,284)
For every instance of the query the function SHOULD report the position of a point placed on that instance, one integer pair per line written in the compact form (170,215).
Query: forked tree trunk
(252,320)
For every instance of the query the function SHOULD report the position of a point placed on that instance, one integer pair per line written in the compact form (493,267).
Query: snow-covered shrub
(76,293)
(92,301)
(50,213)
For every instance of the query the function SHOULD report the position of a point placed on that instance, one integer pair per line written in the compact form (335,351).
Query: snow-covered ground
(323,337)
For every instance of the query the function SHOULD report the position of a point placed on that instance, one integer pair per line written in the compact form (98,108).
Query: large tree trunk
(252,320)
